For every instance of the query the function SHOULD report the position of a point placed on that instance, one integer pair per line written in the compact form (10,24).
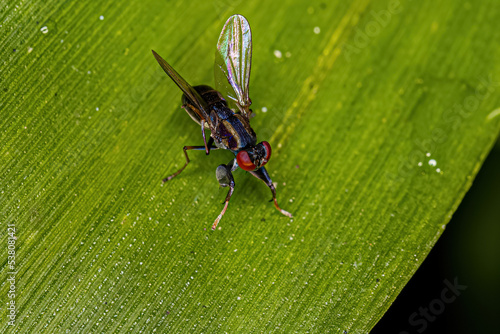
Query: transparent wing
(233,60)
(190,92)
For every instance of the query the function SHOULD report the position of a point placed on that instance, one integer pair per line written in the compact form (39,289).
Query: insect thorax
(233,130)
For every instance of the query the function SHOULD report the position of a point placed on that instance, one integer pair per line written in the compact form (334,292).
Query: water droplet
(264,109)
(420,164)
(438,170)
(317,30)
(101,17)
(427,154)
(44,29)
(277,53)
(432,162)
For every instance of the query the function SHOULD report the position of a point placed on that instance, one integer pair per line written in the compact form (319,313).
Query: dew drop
(277,53)
(44,29)
(432,162)
(101,17)
(317,30)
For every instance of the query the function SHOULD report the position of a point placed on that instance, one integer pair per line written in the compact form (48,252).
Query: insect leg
(207,149)
(186,148)
(262,174)
(225,178)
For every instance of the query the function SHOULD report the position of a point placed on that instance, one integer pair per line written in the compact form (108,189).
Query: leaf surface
(380,114)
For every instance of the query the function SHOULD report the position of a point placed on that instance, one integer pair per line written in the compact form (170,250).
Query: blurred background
(469,251)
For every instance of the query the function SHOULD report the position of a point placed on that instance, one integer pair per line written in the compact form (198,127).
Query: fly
(227,117)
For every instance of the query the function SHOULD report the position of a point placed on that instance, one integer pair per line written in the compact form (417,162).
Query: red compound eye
(267,146)
(243,160)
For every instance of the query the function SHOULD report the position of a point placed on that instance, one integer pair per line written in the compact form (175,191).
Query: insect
(227,116)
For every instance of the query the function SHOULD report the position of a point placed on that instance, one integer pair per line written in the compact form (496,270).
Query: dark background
(469,251)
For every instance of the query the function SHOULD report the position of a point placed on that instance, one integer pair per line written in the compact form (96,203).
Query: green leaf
(380,115)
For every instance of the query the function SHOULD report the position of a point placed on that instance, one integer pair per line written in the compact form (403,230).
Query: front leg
(225,178)
(262,174)
(207,147)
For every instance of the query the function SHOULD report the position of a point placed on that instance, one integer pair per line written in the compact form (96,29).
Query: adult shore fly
(225,111)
